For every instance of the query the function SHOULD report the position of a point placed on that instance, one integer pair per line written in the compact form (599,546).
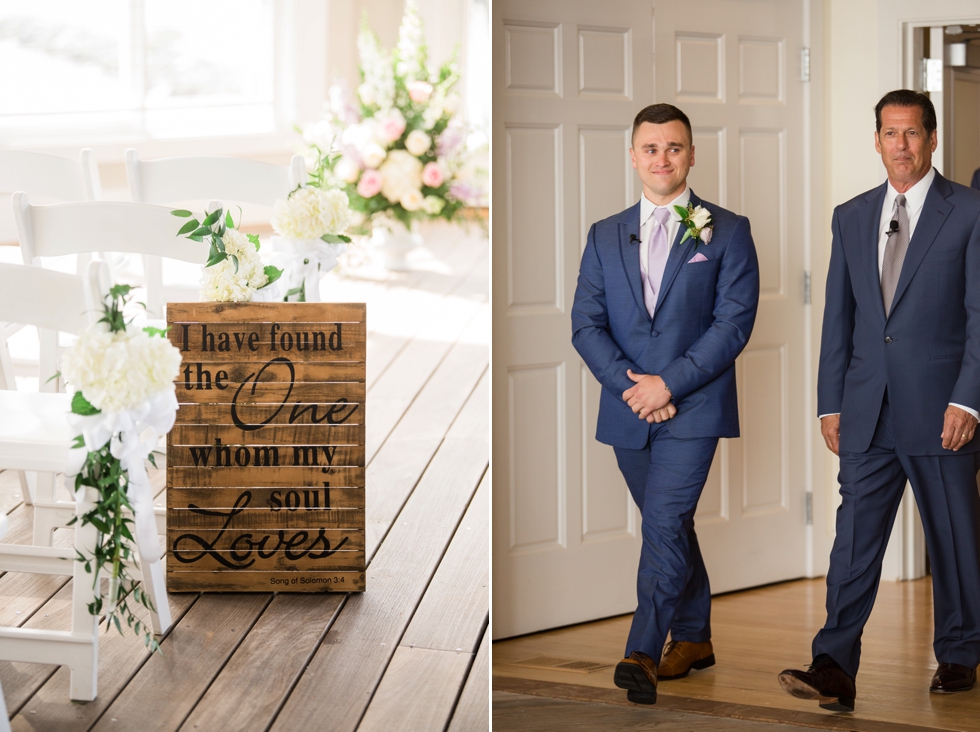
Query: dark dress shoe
(824,681)
(951,677)
(638,675)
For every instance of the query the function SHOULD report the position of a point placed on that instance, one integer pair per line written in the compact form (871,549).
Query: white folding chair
(49,178)
(178,180)
(35,436)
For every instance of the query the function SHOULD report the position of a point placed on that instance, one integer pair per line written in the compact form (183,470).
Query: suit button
(888,339)
(654,333)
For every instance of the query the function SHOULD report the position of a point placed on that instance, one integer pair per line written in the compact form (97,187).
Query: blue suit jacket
(932,353)
(704,316)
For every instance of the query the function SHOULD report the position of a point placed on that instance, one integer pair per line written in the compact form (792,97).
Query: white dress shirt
(915,198)
(647,221)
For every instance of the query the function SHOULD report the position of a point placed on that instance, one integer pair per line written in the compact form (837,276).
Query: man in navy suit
(898,394)
(659,317)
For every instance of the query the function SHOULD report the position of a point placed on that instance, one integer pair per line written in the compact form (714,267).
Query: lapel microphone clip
(892,227)
(634,239)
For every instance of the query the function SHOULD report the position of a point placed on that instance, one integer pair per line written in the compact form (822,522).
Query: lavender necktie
(657,251)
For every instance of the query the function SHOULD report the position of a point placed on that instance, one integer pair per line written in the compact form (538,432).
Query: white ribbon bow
(302,261)
(132,434)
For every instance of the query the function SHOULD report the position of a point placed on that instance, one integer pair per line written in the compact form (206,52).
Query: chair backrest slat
(50,299)
(67,179)
(203,178)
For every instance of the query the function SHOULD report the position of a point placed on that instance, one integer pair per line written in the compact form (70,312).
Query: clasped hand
(649,398)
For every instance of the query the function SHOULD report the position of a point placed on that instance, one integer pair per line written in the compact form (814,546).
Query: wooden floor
(756,634)
(409,654)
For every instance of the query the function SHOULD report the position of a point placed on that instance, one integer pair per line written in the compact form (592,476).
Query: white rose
(411,199)
(417,142)
(372,155)
(700,217)
(347,170)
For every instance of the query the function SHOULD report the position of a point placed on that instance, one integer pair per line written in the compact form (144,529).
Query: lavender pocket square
(699,257)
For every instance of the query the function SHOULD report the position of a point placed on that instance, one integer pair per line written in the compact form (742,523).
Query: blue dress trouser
(666,479)
(872,484)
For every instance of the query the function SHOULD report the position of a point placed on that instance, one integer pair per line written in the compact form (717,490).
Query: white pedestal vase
(394,242)
(302,261)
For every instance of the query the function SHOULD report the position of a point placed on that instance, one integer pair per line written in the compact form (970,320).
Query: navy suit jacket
(927,352)
(704,316)
(975,183)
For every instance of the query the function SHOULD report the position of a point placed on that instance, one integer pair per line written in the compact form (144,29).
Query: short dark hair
(908,98)
(659,114)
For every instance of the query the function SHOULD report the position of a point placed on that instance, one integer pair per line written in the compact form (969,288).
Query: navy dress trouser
(872,484)
(666,479)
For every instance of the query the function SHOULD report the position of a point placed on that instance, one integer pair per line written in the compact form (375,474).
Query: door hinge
(809,509)
(805,64)
(807,288)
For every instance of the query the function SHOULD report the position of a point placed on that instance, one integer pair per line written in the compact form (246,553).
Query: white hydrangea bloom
(221,283)
(119,371)
(402,172)
(309,213)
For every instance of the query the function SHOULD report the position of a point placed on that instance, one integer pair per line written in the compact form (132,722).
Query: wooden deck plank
(423,680)
(120,656)
(250,688)
(397,467)
(360,644)
(455,606)
(473,708)
(418,691)
(168,685)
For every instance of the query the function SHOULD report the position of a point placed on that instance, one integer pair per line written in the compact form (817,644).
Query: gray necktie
(895,249)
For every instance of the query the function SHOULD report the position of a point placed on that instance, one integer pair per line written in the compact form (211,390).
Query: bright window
(106,69)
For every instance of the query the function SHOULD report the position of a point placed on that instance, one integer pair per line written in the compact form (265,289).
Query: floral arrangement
(697,223)
(309,224)
(233,272)
(398,151)
(123,401)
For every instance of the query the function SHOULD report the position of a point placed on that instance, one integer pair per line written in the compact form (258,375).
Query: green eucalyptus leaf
(234,260)
(336,239)
(189,226)
(182,213)
(219,257)
(202,231)
(218,242)
(228,220)
(213,217)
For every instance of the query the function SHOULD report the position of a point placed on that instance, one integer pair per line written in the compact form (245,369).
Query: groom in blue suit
(898,396)
(665,303)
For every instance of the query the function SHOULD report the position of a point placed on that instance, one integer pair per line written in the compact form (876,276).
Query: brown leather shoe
(681,656)
(824,681)
(951,677)
(638,675)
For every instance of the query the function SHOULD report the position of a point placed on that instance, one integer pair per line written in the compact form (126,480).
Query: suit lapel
(678,256)
(934,212)
(630,253)
(868,238)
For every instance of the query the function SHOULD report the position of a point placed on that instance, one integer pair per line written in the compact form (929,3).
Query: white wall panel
(765,477)
(707,177)
(605,174)
(700,65)
(537,453)
(761,70)
(532,58)
(534,255)
(604,63)
(762,162)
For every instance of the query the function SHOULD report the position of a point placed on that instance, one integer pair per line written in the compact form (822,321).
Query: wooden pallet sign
(265,463)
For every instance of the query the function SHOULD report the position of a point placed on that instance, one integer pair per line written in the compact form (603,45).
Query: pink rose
(370,184)
(393,126)
(432,175)
(420,91)
(706,235)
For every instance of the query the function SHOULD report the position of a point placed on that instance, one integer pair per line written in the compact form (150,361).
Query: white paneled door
(569,76)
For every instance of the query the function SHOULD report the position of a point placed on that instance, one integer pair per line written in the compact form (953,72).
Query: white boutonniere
(697,219)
